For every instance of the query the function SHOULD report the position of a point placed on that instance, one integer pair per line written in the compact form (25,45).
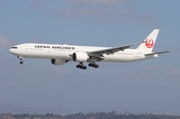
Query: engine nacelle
(80,57)
(58,61)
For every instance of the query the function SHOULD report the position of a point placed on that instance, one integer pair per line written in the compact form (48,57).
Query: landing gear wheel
(78,66)
(84,67)
(21,59)
(97,66)
(21,62)
(81,66)
(94,65)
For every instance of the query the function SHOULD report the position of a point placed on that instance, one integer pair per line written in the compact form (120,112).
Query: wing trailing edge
(111,50)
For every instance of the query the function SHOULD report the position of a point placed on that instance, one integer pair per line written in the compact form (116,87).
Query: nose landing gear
(21,62)
(21,59)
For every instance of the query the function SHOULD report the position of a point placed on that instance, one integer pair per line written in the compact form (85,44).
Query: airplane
(61,54)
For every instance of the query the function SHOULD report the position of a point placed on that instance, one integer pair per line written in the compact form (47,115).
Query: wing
(154,53)
(110,50)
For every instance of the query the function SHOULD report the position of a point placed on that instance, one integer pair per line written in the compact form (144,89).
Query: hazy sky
(149,84)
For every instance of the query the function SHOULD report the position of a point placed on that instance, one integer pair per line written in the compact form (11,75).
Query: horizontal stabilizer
(154,53)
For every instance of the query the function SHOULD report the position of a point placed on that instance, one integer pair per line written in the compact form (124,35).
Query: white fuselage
(61,54)
(64,52)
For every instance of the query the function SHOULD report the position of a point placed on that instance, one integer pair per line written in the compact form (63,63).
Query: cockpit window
(14,47)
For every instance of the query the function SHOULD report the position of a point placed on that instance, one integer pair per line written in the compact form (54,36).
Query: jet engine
(58,61)
(80,57)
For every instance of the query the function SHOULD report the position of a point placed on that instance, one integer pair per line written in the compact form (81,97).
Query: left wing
(110,50)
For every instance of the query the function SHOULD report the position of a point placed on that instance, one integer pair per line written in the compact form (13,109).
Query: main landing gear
(21,60)
(81,66)
(94,65)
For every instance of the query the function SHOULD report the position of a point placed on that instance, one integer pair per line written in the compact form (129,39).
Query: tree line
(92,115)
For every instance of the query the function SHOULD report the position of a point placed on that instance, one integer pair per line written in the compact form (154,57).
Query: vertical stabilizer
(149,42)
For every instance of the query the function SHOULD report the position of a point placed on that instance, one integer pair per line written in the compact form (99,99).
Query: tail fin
(149,42)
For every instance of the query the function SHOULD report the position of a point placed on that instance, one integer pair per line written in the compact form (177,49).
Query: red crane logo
(149,43)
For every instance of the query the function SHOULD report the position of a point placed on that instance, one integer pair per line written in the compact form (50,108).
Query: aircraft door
(26,49)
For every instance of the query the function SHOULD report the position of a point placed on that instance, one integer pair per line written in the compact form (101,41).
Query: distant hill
(9,108)
(100,115)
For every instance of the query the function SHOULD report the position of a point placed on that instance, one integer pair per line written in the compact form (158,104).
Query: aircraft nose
(13,50)
(10,50)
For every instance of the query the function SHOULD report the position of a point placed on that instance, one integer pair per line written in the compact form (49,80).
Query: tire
(77,66)
(96,66)
(84,67)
